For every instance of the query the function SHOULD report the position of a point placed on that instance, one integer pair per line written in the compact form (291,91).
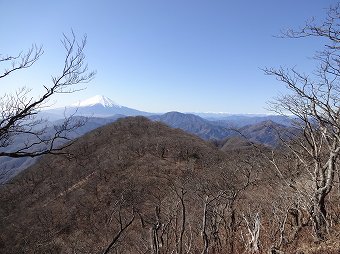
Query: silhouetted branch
(19,111)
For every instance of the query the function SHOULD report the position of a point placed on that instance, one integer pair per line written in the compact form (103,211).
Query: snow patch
(95,100)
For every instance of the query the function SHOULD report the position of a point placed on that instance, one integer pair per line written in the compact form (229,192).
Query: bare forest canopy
(137,186)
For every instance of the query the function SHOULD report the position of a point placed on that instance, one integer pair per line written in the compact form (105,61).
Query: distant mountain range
(101,110)
(97,106)
(263,132)
(194,124)
(101,106)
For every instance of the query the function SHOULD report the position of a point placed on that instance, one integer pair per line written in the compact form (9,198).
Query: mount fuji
(96,106)
(97,100)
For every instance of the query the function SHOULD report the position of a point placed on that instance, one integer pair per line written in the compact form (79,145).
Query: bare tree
(315,102)
(124,224)
(253,227)
(180,222)
(19,118)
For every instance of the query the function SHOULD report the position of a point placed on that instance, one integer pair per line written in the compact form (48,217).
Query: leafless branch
(19,111)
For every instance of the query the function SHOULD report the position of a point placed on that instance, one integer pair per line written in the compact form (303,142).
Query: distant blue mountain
(194,124)
(241,120)
(97,106)
(254,129)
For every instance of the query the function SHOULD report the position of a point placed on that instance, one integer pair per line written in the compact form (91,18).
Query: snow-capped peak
(95,100)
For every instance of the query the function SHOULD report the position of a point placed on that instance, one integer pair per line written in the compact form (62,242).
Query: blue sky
(158,56)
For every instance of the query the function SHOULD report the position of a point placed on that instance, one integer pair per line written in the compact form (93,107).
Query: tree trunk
(319,215)
(204,223)
(232,230)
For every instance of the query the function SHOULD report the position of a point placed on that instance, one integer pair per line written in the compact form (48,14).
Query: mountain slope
(97,100)
(241,120)
(267,132)
(61,202)
(194,124)
(236,143)
(97,106)
(151,187)
(9,167)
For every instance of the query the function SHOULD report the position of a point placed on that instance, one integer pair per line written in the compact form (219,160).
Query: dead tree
(180,222)
(213,208)
(123,226)
(156,227)
(204,226)
(314,101)
(253,236)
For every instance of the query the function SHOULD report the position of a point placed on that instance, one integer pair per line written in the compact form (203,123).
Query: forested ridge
(137,186)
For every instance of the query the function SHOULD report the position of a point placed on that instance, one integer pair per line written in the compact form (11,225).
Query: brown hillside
(64,204)
(137,186)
